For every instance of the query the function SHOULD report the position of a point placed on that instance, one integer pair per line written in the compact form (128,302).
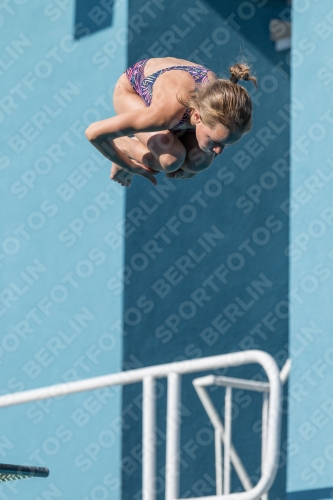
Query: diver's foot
(120,175)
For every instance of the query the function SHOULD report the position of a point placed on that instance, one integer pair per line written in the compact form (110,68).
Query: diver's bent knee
(171,163)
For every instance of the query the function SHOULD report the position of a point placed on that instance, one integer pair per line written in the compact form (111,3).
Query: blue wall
(310,469)
(203,265)
(59,321)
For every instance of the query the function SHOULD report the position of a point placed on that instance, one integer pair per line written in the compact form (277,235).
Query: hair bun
(241,71)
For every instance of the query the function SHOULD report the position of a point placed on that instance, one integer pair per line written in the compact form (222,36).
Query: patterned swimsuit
(143,86)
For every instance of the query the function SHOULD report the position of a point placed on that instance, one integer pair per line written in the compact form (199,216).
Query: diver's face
(213,140)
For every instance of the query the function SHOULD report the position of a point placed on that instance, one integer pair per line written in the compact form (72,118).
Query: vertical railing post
(218,462)
(172,438)
(148,439)
(264,426)
(227,440)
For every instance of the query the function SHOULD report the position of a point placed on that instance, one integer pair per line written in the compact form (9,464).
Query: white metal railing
(223,433)
(173,372)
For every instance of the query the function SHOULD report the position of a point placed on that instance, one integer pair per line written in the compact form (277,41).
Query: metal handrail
(173,372)
(223,433)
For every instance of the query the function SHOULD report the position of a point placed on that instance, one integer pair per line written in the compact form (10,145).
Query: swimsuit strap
(199,74)
(184,119)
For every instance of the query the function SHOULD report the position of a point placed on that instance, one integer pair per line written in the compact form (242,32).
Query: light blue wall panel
(58,322)
(311,255)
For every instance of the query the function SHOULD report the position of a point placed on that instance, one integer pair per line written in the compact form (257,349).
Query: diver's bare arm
(102,134)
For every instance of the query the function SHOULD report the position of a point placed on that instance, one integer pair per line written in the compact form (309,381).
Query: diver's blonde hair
(223,101)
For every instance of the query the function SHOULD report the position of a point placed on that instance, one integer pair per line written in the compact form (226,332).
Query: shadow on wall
(239,17)
(91,17)
(321,494)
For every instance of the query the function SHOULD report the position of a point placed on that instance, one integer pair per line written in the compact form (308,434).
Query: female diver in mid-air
(179,116)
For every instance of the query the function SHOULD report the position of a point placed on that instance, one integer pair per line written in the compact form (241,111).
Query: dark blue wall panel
(205,264)
(92,16)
